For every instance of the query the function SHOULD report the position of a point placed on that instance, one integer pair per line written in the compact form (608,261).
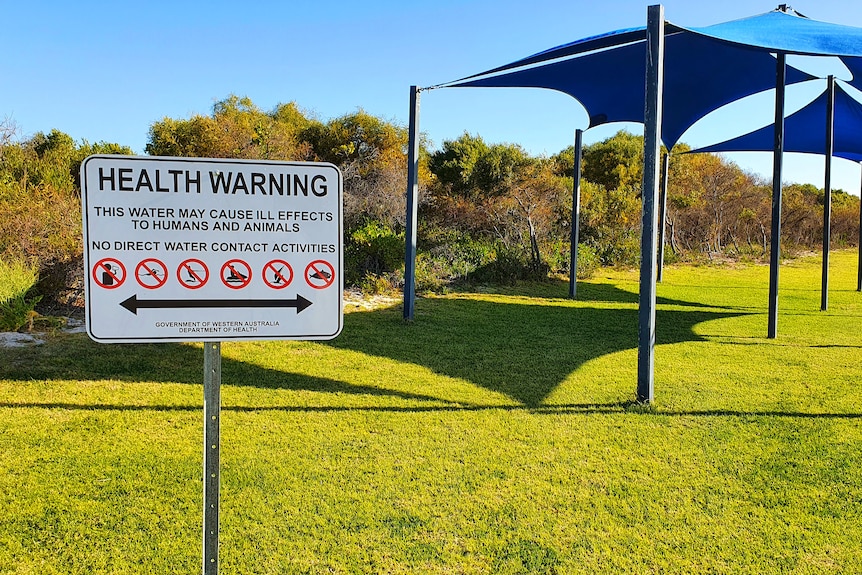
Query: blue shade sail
(805,131)
(705,68)
(855,67)
(774,31)
(576,48)
(789,33)
(701,75)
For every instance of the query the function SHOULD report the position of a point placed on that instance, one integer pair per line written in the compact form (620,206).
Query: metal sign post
(212,446)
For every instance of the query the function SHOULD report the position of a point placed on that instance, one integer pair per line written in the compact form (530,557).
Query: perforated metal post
(212,446)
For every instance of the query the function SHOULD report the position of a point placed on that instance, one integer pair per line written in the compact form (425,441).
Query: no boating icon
(236,274)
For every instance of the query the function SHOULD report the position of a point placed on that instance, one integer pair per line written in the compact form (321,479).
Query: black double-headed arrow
(133,304)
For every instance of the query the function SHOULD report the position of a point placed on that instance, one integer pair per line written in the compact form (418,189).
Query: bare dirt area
(355,300)
(69,310)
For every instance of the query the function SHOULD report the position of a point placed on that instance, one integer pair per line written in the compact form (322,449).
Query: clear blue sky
(105,71)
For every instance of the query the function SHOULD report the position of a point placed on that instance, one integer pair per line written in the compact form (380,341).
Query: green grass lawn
(495,434)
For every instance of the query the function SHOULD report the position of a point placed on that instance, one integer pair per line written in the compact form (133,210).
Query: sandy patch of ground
(357,301)
(15,339)
(21,339)
(353,301)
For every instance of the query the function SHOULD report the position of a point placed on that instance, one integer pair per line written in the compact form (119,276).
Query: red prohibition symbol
(277,274)
(151,273)
(109,273)
(236,274)
(320,274)
(193,273)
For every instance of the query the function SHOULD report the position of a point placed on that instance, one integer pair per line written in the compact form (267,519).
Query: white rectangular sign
(192,249)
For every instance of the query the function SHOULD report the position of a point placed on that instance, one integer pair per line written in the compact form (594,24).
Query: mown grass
(495,434)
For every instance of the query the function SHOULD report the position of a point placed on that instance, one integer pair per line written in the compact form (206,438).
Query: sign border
(86,226)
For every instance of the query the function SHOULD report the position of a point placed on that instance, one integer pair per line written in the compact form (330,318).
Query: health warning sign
(192,249)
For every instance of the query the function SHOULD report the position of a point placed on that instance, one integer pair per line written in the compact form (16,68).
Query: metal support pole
(576,216)
(649,221)
(212,446)
(777,165)
(827,189)
(412,206)
(859,264)
(662,215)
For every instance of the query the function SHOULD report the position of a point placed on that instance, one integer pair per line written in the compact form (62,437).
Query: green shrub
(559,259)
(432,273)
(509,265)
(373,248)
(381,284)
(447,256)
(17,278)
(18,311)
(40,222)
(671,257)
(619,251)
(558,255)
(588,261)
